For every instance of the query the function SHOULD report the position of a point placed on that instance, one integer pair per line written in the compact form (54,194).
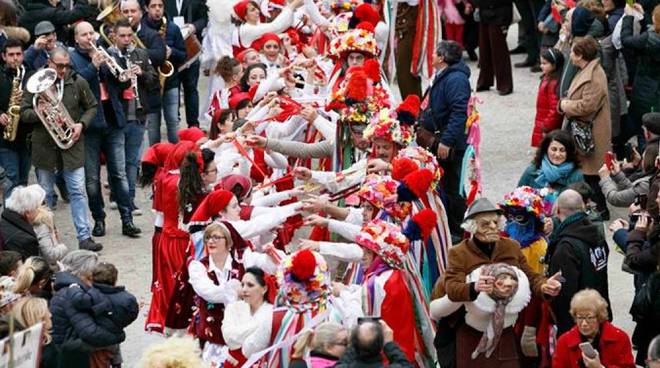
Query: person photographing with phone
(593,342)
(368,342)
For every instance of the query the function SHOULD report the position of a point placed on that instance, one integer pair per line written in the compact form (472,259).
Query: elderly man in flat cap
(484,222)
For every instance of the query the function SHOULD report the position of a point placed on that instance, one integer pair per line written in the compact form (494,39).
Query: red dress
(613,347)
(171,254)
(547,117)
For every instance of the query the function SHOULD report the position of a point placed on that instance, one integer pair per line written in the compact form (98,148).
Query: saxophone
(49,107)
(167,69)
(14,109)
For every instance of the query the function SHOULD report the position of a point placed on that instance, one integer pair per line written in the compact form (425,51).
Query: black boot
(99,228)
(89,244)
(130,230)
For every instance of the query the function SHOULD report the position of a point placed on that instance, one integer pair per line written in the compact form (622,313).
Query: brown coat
(465,257)
(588,96)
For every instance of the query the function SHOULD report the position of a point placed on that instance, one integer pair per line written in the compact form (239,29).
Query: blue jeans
(75,185)
(111,143)
(134,133)
(16,162)
(170,110)
(189,78)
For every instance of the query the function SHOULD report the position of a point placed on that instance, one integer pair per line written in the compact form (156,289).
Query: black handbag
(582,134)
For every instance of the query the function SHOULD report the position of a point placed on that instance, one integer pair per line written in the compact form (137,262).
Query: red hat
(211,206)
(157,154)
(230,181)
(408,111)
(366,26)
(236,99)
(241,55)
(259,43)
(364,13)
(178,153)
(240,9)
(192,134)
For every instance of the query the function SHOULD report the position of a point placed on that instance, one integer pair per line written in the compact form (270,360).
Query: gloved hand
(528,342)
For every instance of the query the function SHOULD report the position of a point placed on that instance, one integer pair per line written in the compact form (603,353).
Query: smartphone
(588,350)
(362,320)
(609,158)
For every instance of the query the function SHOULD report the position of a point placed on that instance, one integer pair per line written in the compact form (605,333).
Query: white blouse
(227,289)
(239,323)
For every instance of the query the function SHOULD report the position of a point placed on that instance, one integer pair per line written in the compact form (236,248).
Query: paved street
(506,129)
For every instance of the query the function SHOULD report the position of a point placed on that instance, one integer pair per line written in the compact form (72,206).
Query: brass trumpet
(116,69)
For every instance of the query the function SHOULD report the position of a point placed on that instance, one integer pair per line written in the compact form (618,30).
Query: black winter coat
(124,307)
(38,10)
(640,255)
(495,12)
(75,333)
(18,235)
(448,101)
(392,351)
(580,252)
(646,85)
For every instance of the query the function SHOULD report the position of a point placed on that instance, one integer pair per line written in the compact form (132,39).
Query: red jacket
(614,349)
(547,117)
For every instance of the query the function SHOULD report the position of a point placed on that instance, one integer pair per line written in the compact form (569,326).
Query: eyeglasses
(579,319)
(62,66)
(214,238)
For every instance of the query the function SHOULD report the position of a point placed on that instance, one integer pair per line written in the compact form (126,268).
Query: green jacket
(79,101)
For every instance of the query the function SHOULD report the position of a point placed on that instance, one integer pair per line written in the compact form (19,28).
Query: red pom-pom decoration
(372,68)
(367,13)
(366,26)
(419,182)
(426,220)
(402,167)
(356,88)
(303,265)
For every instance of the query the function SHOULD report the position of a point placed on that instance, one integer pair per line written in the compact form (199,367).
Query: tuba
(167,69)
(14,109)
(49,107)
(110,13)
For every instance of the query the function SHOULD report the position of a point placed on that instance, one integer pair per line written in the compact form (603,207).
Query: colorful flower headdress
(422,159)
(386,127)
(380,191)
(354,40)
(386,240)
(525,197)
(358,97)
(305,282)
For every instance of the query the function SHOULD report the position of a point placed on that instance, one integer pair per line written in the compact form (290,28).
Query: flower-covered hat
(525,197)
(304,280)
(423,159)
(386,240)
(354,40)
(386,127)
(358,97)
(380,191)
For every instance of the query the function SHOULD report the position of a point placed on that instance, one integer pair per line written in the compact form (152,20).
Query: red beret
(259,43)
(241,9)
(236,98)
(192,134)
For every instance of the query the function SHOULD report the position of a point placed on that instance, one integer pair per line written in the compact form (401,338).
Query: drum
(193,51)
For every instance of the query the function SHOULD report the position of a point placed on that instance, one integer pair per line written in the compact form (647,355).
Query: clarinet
(134,81)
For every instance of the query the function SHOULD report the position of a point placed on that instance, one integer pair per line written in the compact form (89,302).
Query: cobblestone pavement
(506,129)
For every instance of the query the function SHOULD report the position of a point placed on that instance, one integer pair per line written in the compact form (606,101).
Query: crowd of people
(315,213)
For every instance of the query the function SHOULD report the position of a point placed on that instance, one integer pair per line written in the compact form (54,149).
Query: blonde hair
(29,311)
(46,217)
(218,226)
(34,269)
(175,352)
(589,300)
(656,18)
(323,336)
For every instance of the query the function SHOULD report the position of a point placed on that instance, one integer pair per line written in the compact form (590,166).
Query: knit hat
(386,240)
(157,154)
(581,21)
(651,121)
(229,182)
(192,134)
(259,43)
(211,206)
(305,282)
(240,9)
(380,191)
